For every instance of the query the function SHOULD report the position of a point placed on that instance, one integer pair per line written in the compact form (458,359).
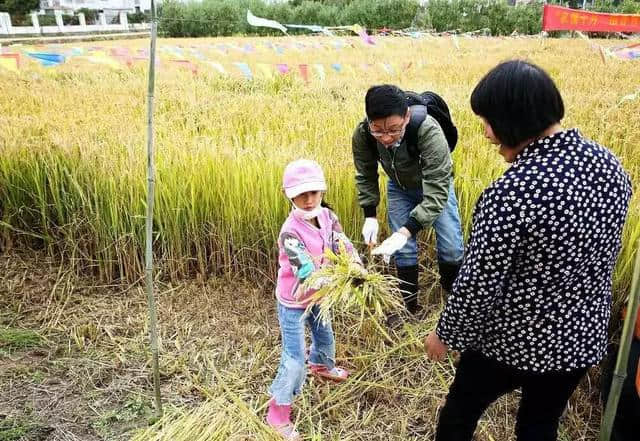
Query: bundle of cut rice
(346,286)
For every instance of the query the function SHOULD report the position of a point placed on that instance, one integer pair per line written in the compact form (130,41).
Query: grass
(124,418)
(14,339)
(11,430)
(20,429)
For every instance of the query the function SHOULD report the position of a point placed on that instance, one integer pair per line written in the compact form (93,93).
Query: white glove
(370,230)
(392,244)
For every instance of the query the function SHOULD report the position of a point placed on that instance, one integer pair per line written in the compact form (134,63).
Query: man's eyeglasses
(378,134)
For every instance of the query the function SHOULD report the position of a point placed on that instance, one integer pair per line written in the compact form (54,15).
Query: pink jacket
(301,251)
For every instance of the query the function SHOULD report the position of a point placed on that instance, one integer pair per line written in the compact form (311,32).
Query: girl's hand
(320,283)
(358,267)
(434,347)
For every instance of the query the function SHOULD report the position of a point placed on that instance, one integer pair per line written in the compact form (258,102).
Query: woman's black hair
(519,100)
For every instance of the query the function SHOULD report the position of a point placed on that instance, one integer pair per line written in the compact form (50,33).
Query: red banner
(557,18)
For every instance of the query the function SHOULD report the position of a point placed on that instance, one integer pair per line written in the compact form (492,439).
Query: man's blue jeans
(292,370)
(449,241)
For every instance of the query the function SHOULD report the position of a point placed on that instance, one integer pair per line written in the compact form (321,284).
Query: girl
(310,228)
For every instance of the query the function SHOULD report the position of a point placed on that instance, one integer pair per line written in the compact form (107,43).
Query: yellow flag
(9,64)
(357,29)
(348,69)
(266,70)
(102,58)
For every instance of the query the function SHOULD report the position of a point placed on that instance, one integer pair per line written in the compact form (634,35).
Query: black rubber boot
(408,276)
(448,274)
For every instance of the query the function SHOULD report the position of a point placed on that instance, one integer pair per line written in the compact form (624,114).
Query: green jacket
(433,171)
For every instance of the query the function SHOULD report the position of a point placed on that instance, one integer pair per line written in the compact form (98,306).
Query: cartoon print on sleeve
(300,260)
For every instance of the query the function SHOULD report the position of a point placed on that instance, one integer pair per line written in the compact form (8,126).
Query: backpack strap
(418,115)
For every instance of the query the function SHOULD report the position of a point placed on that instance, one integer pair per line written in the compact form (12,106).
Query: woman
(531,305)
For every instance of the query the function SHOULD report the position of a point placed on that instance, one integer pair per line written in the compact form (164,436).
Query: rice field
(72,188)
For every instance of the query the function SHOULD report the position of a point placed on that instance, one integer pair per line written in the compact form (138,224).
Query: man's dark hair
(384,101)
(519,100)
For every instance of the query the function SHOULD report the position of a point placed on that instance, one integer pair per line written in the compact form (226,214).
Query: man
(420,188)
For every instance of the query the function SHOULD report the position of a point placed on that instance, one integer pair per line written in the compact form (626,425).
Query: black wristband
(413,226)
(369,211)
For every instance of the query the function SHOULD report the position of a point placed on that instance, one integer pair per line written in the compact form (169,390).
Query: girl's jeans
(292,370)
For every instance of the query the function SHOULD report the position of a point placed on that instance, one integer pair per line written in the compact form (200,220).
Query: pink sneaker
(279,419)
(336,374)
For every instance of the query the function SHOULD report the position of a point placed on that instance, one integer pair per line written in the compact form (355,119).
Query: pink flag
(304,71)
(366,38)
(282,68)
(187,64)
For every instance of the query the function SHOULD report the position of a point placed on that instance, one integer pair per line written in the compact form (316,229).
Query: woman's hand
(434,347)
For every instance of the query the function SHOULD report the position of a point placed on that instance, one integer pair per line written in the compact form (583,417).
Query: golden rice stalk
(346,286)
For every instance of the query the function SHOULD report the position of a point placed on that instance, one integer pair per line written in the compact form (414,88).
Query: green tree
(19,7)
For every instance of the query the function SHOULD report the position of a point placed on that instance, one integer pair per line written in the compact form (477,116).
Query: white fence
(7,29)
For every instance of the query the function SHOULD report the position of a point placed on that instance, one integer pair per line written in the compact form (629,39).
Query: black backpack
(423,104)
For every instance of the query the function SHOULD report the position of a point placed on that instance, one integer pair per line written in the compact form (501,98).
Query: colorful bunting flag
(266,70)
(304,72)
(630,52)
(245,69)
(348,69)
(282,68)
(319,68)
(263,22)
(312,28)
(219,67)
(363,34)
(196,53)
(99,57)
(47,59)
(10,61)
(123,54)
(187,64)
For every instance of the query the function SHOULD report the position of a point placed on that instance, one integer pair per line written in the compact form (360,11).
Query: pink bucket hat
(301,176)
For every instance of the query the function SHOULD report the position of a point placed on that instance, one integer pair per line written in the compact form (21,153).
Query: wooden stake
(620,372)
(153,333)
